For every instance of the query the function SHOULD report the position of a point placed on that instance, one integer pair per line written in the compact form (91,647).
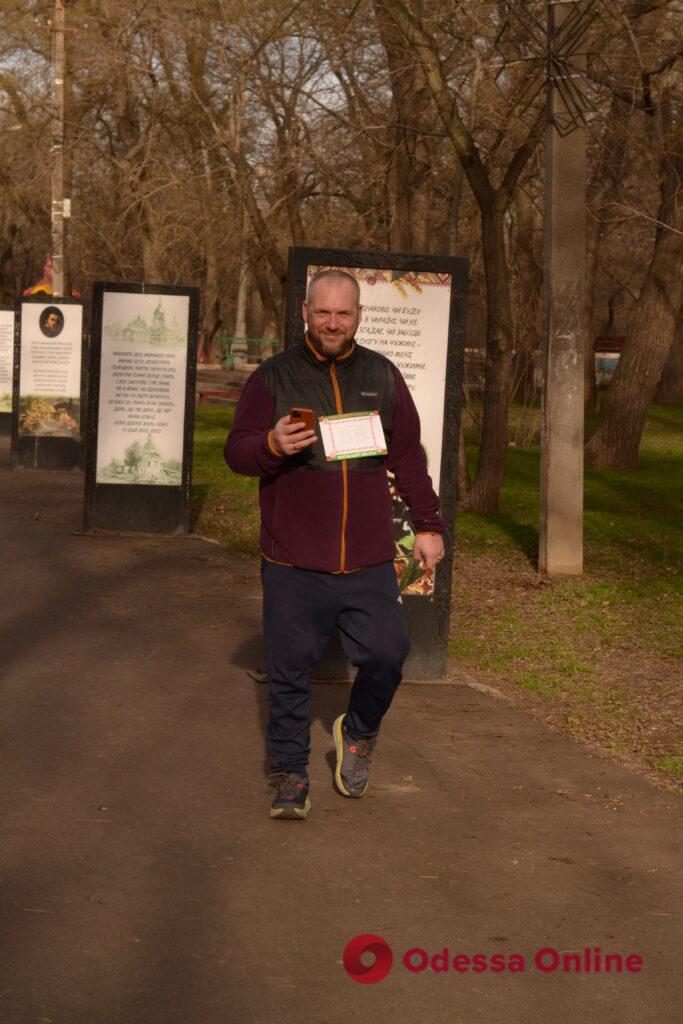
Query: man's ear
(304,310)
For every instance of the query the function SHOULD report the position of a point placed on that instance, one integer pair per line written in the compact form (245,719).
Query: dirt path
(143,882)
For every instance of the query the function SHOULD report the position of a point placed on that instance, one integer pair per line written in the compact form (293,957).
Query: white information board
(142,388)
(6,358)
(50,369)
(405,317)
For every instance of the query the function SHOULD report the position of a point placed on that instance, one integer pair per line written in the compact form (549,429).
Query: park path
(143,882)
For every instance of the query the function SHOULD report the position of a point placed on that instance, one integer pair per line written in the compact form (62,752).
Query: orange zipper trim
(345,486)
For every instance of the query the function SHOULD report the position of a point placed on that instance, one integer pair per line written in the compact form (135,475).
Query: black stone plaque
(141,408)
(414,310)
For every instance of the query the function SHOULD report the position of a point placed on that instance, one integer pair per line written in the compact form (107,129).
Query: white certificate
(352,435)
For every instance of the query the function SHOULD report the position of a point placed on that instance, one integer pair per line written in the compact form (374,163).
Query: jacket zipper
(338,403)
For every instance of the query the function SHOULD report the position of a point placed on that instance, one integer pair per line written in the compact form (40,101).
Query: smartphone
(305,416)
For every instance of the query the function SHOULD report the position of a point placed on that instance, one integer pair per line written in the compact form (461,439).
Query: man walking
(327,533)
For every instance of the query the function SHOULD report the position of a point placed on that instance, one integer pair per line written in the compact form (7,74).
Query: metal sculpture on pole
(558,49)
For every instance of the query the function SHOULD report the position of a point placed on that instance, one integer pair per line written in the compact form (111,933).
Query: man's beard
(323,349)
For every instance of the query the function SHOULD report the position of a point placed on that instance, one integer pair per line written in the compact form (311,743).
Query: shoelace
(287,785)
(360,755)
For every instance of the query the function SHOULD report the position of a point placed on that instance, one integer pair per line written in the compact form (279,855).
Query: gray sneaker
(291,801)
(351,773)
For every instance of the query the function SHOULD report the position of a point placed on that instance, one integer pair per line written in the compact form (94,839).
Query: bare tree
(493,201)
(653,317)
(616,440)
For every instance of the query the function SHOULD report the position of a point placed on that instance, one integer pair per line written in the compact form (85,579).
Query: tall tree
(493,201)
(605,180)
(616,440)
(411,153)
(653,317)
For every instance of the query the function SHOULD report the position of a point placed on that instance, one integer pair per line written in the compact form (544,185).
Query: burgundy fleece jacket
(338,516)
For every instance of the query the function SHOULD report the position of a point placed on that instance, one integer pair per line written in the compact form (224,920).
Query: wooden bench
(226,394)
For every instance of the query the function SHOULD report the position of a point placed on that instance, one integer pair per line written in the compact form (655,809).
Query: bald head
(339,277)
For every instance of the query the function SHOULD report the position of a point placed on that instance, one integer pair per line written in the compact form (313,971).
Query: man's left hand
(428,549)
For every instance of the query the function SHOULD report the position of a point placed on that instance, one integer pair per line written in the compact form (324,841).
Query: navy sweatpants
(300,612)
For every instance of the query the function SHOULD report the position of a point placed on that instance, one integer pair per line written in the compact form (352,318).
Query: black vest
(365,382)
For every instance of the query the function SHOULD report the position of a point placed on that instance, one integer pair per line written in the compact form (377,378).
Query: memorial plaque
(414,313)
(142,377)
(6,368)
(48,383)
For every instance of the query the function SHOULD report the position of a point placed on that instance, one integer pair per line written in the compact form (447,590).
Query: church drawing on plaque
(142,463)
(141,333)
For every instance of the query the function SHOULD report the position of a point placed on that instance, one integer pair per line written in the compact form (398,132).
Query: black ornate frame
(138,508)
(47,452)
(427,618)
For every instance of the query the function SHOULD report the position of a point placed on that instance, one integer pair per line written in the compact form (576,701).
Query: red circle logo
(380,949)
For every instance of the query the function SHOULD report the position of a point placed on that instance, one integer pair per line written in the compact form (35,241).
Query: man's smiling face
(332,313)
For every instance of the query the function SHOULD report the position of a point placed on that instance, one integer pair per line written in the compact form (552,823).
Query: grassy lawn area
(224,504)
(597,656)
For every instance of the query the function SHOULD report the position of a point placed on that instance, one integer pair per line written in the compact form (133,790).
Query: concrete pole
(57,151)
(239,345)
(561,519)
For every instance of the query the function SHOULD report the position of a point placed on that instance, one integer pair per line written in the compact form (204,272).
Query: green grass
(672,763)
(224,504)
(635,514)
(599,651)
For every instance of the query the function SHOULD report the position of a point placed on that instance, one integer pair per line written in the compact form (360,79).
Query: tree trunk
(454,210)
(485,490)
(670,390)
(606,179)
(528,298)
(151,268)
(242,296)
(291,186)
(464,481)
(409,212)
(7,282)
(211,318)
(616,441)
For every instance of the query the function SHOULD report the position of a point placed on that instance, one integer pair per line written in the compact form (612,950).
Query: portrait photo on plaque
(142,385)
(405,316)
(50,349)
(51,321)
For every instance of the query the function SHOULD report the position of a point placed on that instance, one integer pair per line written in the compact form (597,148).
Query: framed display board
(141,408)
(6,368)
(413,312)
(48,379)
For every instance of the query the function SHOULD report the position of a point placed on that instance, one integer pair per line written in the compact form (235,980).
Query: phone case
(305,416)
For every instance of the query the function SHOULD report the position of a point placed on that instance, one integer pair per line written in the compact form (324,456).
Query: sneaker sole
(291,813)
(339,747)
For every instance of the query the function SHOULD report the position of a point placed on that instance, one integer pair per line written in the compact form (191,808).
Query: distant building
(137,330)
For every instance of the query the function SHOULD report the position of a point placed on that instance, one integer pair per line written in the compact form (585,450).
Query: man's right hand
(291,438)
